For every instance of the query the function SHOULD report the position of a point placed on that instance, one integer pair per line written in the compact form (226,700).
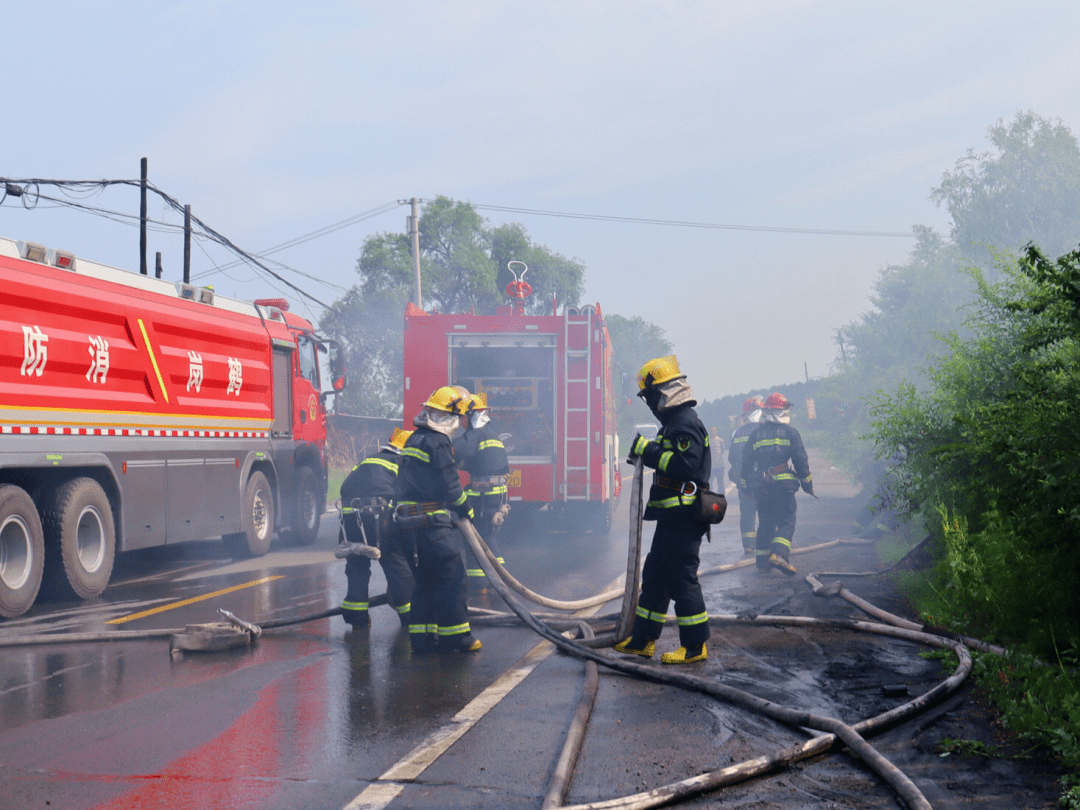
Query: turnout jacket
(680,455)
(737,450)
(374,477)
(480,452)
(765,461)
(427,474)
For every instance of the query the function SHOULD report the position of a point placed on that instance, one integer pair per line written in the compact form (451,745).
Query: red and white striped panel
(43,430)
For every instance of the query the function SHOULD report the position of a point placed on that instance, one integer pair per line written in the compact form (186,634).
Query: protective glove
(637,447)
(464,511)
(808,486)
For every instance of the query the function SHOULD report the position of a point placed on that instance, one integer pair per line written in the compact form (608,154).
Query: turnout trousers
(776,522)
(397,562)
(484,507)
(670,574)
(748,519)
(438,602)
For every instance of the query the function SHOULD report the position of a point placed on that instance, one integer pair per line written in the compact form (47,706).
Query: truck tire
(257,517)
(602,517)
(80,540)
(309,506)
(22,551)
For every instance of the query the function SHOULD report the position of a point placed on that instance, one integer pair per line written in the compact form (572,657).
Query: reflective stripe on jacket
(427,472)
(680,453)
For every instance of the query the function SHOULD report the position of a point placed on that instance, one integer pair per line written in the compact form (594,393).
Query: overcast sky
(273,120)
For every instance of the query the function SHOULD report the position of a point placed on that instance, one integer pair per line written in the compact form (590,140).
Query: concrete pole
(414,231)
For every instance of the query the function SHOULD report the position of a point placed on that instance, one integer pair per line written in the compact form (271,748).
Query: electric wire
(690,224)
(10,183)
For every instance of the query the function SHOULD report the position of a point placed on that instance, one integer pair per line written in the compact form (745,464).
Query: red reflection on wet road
(236,769)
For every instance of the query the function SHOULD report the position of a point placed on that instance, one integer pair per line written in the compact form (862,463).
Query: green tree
(1027,189)
(462,268)
(993,447)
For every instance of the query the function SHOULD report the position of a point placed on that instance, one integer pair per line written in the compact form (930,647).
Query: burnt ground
(836,673)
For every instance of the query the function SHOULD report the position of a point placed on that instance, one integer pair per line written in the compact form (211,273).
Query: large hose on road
(849,735)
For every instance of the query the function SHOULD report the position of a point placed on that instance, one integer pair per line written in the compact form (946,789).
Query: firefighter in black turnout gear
(427,490)
(680,455)
(766,470)
(482,455)
(367,496)
(751,415)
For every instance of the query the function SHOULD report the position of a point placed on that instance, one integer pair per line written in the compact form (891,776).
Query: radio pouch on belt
(713,506)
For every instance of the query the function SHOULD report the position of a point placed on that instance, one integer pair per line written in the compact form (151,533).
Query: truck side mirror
(336,354)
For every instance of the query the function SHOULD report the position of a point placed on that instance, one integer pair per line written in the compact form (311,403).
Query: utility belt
(488,495)
(370,506)
(418,515)
(779,468)
(484,484)
(688,488)
(377,510)
(710,507)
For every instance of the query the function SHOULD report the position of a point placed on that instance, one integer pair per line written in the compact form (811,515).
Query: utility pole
(414,231)
(187,244)
(142,221)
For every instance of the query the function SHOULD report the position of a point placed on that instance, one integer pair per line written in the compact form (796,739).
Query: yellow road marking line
(192,600)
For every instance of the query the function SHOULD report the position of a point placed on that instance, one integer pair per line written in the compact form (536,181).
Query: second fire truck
(548,382)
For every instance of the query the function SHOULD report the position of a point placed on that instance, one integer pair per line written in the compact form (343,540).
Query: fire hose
(836,729)
(549,626)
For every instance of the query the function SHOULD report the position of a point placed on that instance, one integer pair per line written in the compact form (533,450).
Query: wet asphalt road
(320,716)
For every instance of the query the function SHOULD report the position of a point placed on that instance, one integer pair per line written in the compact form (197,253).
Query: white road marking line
(391,783)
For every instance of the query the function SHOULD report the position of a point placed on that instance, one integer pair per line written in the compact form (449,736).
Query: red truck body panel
(169,396)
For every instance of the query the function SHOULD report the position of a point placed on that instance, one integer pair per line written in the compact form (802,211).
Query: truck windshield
(519,383)
(309,360)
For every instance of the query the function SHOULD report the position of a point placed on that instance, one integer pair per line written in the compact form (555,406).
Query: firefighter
(680,455)
(427,490)
(766,471)
(482,455)
(716,444)
(367,496)
(747,506)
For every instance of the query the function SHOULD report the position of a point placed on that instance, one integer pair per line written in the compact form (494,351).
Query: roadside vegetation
(956,401)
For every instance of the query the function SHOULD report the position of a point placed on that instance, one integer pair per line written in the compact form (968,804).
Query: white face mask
(479,418)
(674,393)
(776,415)
(443,422)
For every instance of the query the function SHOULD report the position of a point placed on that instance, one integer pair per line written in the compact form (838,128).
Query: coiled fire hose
(851,736)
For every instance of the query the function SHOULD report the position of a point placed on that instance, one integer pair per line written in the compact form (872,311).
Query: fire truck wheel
(309,509)
(80,540)
(22,551)
(602,517)
(257,515)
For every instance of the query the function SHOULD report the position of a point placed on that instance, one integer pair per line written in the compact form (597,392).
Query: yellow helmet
(657,371)
(451,399)
(399,437)
(479,402)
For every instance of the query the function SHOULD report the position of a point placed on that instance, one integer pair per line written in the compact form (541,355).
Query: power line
(325,231)
(20,187)
(689,224)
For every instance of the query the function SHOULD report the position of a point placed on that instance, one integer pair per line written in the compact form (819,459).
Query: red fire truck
(136,412)
(548,382)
